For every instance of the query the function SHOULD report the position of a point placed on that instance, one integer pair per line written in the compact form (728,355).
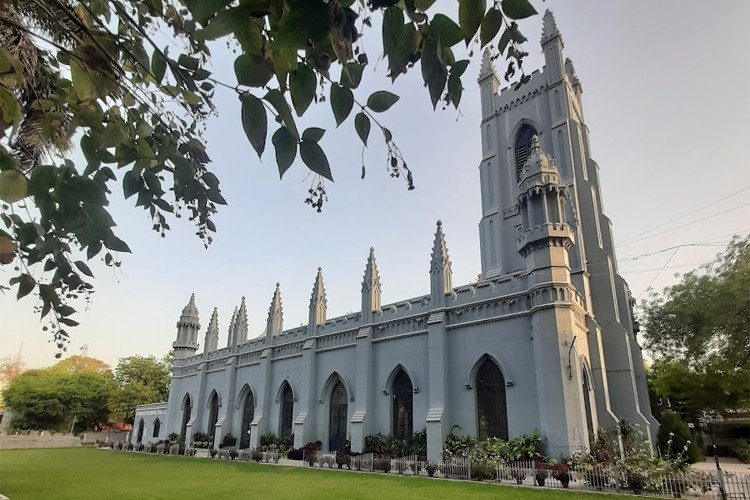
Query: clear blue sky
(666,98)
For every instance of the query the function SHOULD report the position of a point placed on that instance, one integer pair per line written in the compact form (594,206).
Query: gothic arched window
(339,412)
(492,410)
(248,413)
(523,148)
(213,414)
(157,428)
(587,402)
(287,406)
(140,432)
(187,409)
(403,406)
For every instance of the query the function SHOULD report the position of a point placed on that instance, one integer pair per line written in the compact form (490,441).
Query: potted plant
(561,472)
(431,468)
(540,473)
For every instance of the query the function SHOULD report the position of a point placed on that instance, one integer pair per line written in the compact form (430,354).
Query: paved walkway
(727,465)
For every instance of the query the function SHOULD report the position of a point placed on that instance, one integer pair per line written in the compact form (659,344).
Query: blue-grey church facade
(545,339)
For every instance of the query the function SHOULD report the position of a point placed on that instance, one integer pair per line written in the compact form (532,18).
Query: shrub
(675,438)
(267,440)
(741,449)
(296,454)
(228,441)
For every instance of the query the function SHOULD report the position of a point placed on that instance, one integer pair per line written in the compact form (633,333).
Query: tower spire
(318,302)
(232,329)
(187,331)
(212,334)
(370,288)
(275,324)
(549,27)
(241,327)
(441,275)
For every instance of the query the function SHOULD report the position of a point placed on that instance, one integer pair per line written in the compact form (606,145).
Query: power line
(659,273)
(684,215)
(684,225)
(704,243)
(676,266)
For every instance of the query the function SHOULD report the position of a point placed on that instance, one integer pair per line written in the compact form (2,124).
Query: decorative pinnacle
(372,277)
(190,309)
(487,68)
(549,27)
(439,249)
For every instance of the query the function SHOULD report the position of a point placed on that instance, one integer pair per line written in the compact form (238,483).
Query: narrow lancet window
(492,410)
(403,410)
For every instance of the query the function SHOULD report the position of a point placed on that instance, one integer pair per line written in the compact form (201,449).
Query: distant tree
(101,72)
(77,364)
(139,380)
(699,333)
(10,368)
(54,399)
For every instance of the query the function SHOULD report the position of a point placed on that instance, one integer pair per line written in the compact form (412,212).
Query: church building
(545,339)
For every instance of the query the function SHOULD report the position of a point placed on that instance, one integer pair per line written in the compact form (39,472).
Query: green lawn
(83,473)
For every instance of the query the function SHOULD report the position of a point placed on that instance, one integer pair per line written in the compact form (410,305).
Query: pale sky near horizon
(666,99)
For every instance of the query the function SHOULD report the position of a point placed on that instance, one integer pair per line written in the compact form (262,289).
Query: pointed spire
(275,323)
(212,334)
(370,288)
(241,326)
(549,27)
(318,302)
(487,68)
(570,70)
(441,275)
(187,331)
(232,329)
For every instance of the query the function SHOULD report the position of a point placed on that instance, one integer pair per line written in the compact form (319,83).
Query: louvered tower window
(523,148)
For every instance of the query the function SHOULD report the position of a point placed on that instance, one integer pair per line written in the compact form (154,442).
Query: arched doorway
(338,418)
(492,410)
(403,406)
(187,409)
(287,408)
(248,413)
(213,415)
(140,432)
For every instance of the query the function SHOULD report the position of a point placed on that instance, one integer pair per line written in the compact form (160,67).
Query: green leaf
(342,101)
(43,178)
(84,268)
(362,126)
(26,284)
(254,121)
(393,29)
(302,84)
(444,29)
(518,9)
(315,159)
(211,180)
(459,67)
(10,109)
(387,135)
(470,15)
(13,186)
(504,41)
(188,62)
(114,243)
(516,35)
(286,149)
(313,134)
(279,103)
(381,101)
(7,248)
(215,196)
(252,70)
(434,71)
(131,183)
(351,75)
(455,90)
(490,26)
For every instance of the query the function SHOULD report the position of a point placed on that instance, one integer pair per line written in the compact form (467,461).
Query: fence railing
(688,484)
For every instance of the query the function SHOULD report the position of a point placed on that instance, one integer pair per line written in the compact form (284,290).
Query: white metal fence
(690,484)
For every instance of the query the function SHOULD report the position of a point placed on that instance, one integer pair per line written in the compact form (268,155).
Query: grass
(82,473)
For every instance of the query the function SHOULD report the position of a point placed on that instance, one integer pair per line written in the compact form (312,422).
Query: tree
(54,399)
(10,369)
(77,364)
(96,71)
(699,333)
(139,380)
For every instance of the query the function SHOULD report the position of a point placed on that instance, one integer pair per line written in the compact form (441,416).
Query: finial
(535,143)
(439,223)
(487,68)
(372,249)
(277,284)
(320,269)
